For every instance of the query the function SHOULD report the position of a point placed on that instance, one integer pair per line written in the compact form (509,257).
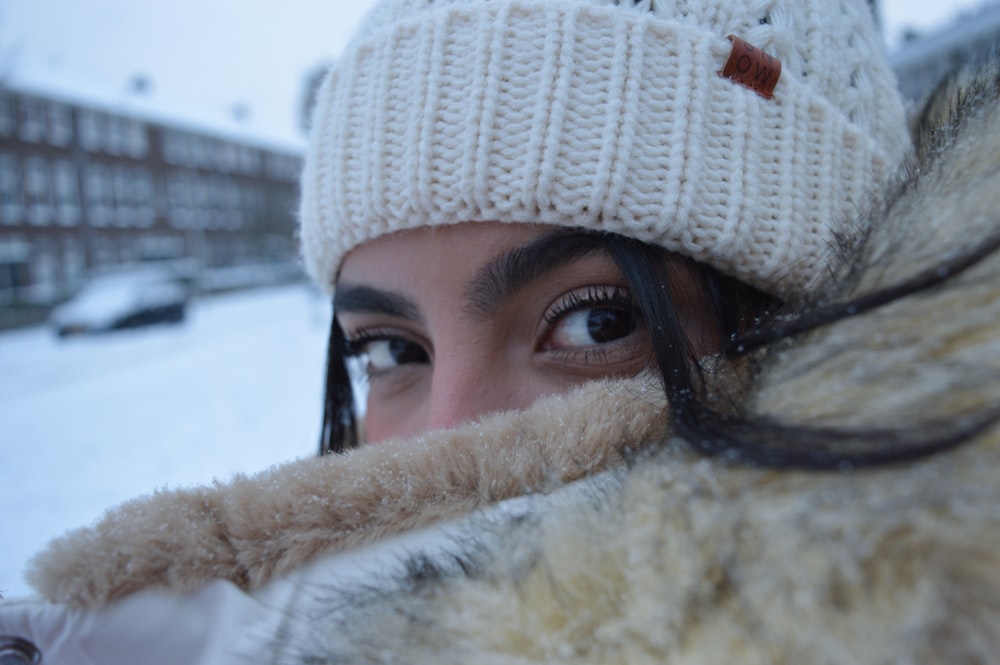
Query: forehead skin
(436,254)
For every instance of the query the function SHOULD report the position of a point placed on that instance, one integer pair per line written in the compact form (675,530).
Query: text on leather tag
(751,67)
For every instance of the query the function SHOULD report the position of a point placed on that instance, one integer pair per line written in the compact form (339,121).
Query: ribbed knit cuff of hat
(590,114)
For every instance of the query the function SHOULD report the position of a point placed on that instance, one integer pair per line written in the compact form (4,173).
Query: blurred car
(123,299)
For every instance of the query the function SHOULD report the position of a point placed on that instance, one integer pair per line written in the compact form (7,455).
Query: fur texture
(677,557)
(251,529)
(692,560)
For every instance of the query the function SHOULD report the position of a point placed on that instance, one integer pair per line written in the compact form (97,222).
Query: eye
(386,352)
(590,317)
(593,326)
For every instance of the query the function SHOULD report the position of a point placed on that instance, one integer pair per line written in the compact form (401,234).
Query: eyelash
(595,297)
(355,345)
(592,297)
(358,345)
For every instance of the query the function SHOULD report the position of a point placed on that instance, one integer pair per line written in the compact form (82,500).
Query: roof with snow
(977,26)
(132,100)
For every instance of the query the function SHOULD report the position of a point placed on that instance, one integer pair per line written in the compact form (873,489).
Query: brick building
(88,183)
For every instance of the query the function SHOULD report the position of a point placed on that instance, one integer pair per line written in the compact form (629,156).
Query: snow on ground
(87,423)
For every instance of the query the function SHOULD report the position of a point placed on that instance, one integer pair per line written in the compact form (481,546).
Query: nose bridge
(466,387)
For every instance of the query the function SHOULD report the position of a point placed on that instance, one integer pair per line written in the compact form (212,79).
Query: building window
(72,265)
(161,195)
(168,146)
(67,193)
(37,191)
(203,204)
(187,150)
(44,267)
(230,200)
(117,135)
(229,158)
(177,148)
(253,204)
(179,201)
(10,190)
(99,195)
(145,197)
(106,251)
(89,129)
(8,119)
(158,247)
(137,143)
(249,160)
(283,168)
(198,151)
(15,264)
(215,157)
(60,124)
(217,202)
(125,212)
(32,125)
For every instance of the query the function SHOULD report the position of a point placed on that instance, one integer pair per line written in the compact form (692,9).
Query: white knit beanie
(650,119)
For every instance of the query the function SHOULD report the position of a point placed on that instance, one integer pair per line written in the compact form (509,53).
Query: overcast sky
(214,54)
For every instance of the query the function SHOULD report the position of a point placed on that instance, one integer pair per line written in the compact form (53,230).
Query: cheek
(530,385)
(386,419)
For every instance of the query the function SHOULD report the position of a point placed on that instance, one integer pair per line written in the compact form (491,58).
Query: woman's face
(456,322)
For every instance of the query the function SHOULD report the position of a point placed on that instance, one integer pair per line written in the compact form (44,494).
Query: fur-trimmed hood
(851,514)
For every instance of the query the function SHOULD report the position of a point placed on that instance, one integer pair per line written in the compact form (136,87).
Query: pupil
(403,352)
(607,325)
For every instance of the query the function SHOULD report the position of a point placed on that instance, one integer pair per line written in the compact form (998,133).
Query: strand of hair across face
(764,441)
(816,318)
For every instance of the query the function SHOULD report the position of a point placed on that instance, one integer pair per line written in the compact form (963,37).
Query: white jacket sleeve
(213,625)
(219,624)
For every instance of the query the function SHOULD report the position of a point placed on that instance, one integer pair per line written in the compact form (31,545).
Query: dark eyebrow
(358,299)
(507,273)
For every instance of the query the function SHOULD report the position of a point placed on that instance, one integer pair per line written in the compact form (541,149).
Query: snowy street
(87,423)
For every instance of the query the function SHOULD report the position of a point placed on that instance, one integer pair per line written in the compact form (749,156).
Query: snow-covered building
(89,181)
(923,60)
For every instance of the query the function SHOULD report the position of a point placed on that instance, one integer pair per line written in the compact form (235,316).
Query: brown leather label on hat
(752,68)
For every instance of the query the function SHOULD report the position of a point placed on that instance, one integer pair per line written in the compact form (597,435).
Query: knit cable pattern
(607,116)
